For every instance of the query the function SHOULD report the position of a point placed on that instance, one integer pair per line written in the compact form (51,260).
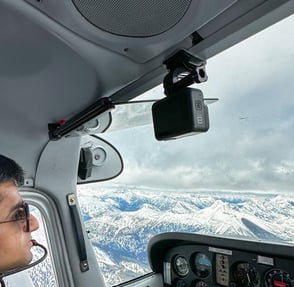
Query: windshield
(235,180)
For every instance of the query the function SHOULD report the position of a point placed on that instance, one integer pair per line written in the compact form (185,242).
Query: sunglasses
(22,213)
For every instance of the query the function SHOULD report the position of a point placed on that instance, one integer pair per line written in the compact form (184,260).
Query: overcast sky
(249,145)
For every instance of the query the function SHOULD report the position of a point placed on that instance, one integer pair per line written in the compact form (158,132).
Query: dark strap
(71,199)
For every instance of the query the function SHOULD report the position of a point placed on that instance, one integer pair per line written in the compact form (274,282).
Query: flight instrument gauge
(181,265)
(201,284)
(278,278)
(202,265)
(245,275)
(179,283)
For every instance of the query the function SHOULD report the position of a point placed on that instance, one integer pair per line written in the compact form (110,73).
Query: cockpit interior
(156,140)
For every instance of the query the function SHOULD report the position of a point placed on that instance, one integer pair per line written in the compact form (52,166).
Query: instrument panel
(203,261)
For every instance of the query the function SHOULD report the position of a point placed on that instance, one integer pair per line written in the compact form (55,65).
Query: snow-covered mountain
(122,219)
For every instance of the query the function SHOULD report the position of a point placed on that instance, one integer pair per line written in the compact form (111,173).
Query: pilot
(16,223)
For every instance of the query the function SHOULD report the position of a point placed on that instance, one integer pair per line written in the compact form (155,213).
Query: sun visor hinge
(78,123)
(72,203)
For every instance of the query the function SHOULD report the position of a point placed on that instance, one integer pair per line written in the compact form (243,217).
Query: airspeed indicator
(181,265)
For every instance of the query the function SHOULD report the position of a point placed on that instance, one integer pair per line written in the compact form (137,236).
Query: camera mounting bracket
(184,69)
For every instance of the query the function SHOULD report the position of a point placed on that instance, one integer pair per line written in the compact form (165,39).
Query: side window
(43,274)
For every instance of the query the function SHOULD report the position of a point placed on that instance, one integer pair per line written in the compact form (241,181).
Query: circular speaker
(133,18)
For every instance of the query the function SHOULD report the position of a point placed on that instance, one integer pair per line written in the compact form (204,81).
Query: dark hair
(10,171)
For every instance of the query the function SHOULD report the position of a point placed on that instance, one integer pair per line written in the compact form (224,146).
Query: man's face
(15,242)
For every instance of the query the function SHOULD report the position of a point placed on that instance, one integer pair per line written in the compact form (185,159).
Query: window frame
(57,249)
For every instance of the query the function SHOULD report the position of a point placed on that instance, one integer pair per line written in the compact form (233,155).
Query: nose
(34,223)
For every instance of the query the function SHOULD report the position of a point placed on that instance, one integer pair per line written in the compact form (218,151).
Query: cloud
(249,144)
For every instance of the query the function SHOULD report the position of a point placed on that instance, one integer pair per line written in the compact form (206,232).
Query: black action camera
(180,114)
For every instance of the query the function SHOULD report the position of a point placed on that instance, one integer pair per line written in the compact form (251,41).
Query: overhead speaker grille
(133,18)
